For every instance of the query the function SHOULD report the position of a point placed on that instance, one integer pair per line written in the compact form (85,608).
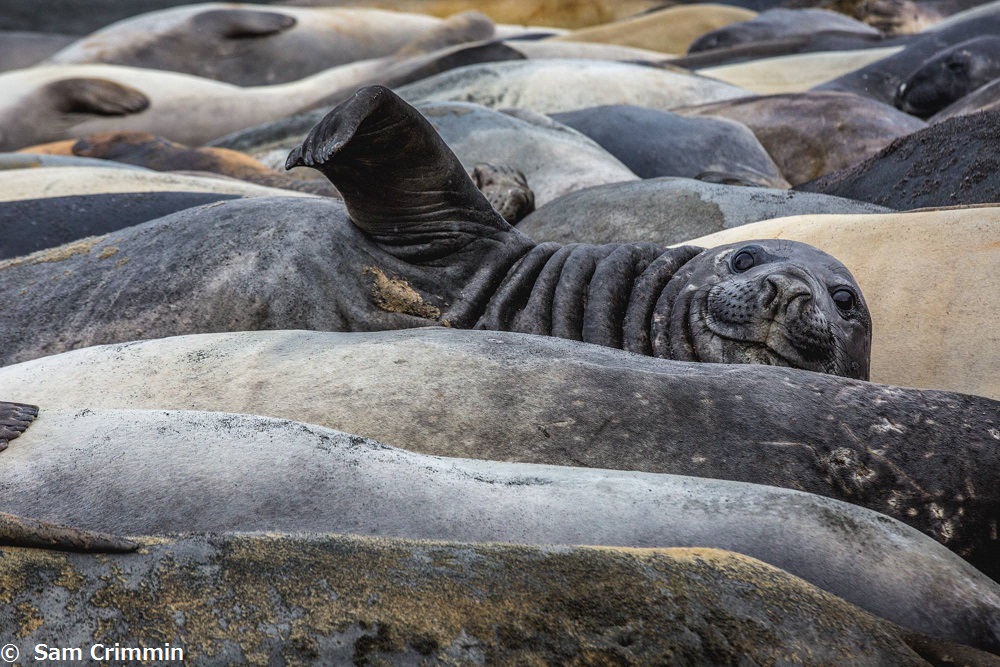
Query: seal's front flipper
(100,97)
(16,531)
(242,23)
(401,183)
(14,419)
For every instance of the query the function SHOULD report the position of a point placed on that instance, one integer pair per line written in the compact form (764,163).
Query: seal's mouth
(762,324)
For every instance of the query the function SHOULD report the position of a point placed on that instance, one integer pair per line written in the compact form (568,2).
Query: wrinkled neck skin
(600,294)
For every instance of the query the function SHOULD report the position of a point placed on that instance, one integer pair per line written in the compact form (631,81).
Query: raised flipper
(16,531)
(401,183)
(14,419)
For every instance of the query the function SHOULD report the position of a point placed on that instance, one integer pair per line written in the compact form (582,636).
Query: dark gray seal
(881,79)
(363,601)
(423,247)
(983,99)
(260,474)
(778,23)
(949,76)
(815,133)
(655,143)
(927,458)
(781,46)
(950,163)
(671,210)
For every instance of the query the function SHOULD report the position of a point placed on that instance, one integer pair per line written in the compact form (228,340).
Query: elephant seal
(778,23)
(784,46)
(910,17)
(667,30)
(670,210)
(949,76)
(413,211)
(160,154)
(360,600)
(926,458)
(549,86)
(258,46)
(812,134)
(23,49)
(797,73)
(656,143)
(260,474)
(31,225)
(881,79)
(984,99)
(948,329)
(949,163)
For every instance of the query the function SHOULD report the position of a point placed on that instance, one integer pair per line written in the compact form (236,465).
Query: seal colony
(429,281)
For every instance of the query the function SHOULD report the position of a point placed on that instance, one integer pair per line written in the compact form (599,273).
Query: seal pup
(380,601)
(815,133)
(260,474)
(949,76)
(423,247)
(778,23)
(947,164)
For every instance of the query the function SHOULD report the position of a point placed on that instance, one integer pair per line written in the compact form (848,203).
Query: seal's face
(771,302)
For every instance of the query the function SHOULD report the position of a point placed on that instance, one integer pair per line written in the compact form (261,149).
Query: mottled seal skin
(881,79)
(949,76)
(424,247)
(670,210)
(927,458)
(949,163)
(778,23)
(656,143)
(260,474)
(556,84)
(815,133)
(257,46)
(506,189)
(907,17)
(360,600)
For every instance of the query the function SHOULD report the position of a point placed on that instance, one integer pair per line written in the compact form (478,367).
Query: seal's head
(772,302)
(949,76)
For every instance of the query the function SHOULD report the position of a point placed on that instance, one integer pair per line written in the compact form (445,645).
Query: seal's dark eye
(743,261)
(844,298)
(956,65)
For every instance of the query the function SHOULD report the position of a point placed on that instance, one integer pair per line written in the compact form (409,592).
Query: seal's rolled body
(771,302)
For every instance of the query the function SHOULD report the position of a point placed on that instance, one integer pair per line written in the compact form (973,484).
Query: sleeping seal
(947,164)
(258,46)
(371,601)
(115,474)
(423,247)
(778,23)
(949,76)
(927,458)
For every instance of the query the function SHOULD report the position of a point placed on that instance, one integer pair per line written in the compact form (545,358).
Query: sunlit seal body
(256,46)
(777,23)
(949,76)
(423,247)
